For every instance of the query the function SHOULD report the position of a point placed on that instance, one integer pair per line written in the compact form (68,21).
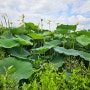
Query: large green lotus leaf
(47,46)
(85,55)
(66,27)
(73,52)
(47,33)
(19,52)
(62,31)
(25,37)
(47,37)
(8,43)
(53,43)
(42,49)
(83,40)
(23,70)
(7,36)
(58,36)
(66,51)
(83,32)
(36,36)
(23,42)
(58,61)
(18,30)
(31,26)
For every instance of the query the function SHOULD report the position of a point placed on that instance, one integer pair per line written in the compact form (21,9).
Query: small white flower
(49,21)
(22,16)
(10,22)
(22,24)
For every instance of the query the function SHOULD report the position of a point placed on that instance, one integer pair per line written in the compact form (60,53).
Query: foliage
(6,83)
(8,43)
(83,40)
(22,69)
(73,52)
(49,78)
(55,56)
(2,53)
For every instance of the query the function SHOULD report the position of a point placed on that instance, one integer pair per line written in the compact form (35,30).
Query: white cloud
(55,10)
(82,7)
(84,23)
(79,19)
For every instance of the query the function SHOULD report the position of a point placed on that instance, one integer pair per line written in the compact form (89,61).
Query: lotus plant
(49,22)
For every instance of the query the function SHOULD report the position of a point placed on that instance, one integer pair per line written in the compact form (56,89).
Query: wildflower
(41,24)
(77,23)
(22,24)
(10,22)
(22,16)
(49,21)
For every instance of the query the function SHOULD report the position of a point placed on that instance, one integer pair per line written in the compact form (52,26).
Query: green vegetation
(36,59)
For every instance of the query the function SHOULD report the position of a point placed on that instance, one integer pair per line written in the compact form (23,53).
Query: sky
(58,11)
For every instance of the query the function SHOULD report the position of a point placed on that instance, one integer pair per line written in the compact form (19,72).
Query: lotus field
(32,58)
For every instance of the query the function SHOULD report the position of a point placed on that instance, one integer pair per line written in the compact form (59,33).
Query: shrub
(49,78)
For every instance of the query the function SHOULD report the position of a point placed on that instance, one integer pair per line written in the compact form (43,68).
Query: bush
(49,78)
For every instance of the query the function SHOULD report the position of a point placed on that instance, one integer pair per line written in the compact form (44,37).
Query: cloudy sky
(62,11)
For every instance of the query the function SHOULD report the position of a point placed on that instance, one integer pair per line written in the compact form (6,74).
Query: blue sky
(62,11)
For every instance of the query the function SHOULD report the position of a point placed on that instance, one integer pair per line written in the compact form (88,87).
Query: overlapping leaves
(23,39)
(8,43)
(58,60)
(64,29)
(23,69)
(47,46)
(83,40)
(73,52)
(19,52)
